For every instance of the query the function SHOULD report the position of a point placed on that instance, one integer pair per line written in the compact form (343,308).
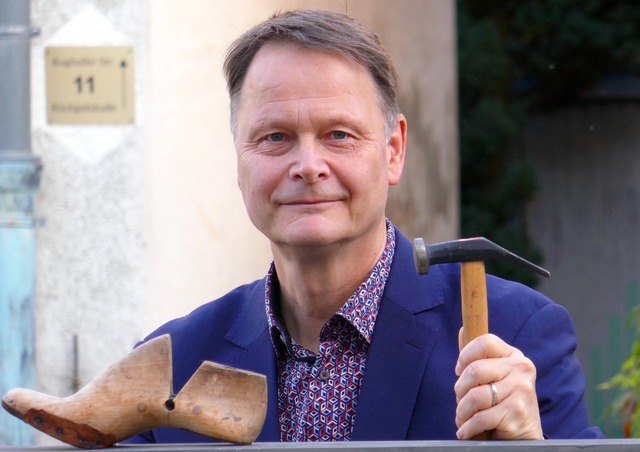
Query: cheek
(242,178)
(377,173)
(256,180)
(247,165)
(248,184)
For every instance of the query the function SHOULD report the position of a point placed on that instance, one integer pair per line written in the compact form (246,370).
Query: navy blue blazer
(407,391)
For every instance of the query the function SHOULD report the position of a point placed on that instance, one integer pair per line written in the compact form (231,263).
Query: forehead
(283,71)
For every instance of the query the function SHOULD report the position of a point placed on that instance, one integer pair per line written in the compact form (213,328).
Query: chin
(305,240)
(302,235)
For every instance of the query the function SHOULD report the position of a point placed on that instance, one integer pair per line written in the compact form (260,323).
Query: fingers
(478,398)
(496,391)
(488,359)
(512,418)
(485,346)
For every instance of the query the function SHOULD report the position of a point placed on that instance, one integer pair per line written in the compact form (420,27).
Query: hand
(515,414)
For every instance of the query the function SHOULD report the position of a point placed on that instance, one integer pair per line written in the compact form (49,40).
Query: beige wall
(143,222)
(201,243)
(91,272)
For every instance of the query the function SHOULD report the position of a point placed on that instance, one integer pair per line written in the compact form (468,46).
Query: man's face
(314,161)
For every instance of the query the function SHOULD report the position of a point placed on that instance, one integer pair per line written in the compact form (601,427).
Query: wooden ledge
(616,445)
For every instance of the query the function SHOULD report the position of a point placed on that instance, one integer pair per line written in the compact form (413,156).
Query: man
(355,345)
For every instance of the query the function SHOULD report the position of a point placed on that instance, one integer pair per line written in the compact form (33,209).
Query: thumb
(458,369)
(461,339)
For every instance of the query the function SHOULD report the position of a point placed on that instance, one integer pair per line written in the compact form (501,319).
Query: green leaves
(627,383)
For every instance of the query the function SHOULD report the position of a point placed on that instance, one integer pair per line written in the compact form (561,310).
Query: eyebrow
(282,118)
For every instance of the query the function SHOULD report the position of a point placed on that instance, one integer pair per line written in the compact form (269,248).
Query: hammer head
(465,250)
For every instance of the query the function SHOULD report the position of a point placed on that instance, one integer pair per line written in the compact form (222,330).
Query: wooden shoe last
(136,394)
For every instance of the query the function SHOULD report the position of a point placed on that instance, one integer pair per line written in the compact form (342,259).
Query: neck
(314,284)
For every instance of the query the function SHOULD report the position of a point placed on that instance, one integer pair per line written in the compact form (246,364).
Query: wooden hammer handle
(475,318)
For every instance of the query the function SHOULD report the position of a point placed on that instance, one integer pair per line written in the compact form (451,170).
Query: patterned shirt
(318,393)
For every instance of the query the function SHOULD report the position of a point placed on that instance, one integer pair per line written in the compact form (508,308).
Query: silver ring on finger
(494,394)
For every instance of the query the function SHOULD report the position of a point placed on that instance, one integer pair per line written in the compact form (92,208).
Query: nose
(309,163)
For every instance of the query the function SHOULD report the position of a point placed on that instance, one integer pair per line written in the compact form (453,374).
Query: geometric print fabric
(318,393)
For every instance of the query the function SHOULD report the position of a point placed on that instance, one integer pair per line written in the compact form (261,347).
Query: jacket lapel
(250,334)
(400,350)
(396,362)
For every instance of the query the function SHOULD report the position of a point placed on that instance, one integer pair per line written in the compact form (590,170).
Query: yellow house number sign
(90,85)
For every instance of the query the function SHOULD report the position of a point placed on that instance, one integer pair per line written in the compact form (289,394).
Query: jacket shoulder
(217,312)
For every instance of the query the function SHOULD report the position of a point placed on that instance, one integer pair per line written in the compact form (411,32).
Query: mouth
(309,199)
(316,203)
(306,202)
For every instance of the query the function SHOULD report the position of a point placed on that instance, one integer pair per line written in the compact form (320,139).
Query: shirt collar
(360,310)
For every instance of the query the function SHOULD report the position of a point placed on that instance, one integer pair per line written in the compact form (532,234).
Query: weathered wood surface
(616,445)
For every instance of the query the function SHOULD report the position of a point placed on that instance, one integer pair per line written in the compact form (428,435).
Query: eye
(339,135)
(276,137)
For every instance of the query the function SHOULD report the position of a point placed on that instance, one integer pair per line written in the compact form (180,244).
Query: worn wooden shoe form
(136,394)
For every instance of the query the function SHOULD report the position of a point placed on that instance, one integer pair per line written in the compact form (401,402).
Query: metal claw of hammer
(471,253)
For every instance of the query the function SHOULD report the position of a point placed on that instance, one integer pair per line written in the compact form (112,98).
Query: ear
(397,147)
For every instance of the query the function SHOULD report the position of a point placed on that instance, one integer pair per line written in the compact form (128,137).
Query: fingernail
(458,368)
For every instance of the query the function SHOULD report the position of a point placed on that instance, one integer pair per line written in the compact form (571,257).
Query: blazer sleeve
(549,340)
(141,438)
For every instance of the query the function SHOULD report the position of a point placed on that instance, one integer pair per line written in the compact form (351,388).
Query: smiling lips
(308,199)
(309,203)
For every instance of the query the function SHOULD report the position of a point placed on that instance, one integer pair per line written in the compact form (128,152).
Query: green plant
(627,385)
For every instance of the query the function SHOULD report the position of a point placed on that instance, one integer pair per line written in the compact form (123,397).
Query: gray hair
(317,30)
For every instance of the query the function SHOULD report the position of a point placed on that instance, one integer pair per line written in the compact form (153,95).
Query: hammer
(471,253)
